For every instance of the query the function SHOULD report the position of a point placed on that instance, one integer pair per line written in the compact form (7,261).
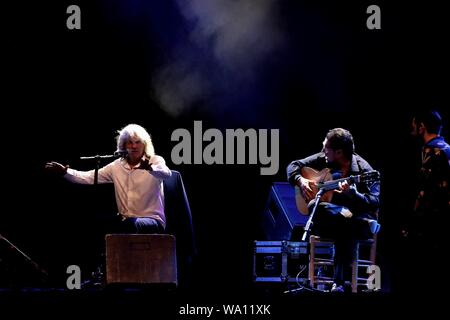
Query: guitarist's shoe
(337,288)
(374,226)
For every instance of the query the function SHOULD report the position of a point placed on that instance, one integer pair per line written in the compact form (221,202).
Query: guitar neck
(334,184)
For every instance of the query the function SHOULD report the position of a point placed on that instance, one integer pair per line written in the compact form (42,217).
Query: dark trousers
(419,260)
(139,225)
(329,223)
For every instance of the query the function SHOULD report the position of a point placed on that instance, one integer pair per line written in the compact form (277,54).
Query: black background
(72,89)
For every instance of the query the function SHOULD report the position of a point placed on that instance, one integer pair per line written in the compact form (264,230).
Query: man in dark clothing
(345,217)
(434,176)
(427,226)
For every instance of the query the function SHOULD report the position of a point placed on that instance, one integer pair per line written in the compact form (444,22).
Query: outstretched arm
(56,168)
(81,177)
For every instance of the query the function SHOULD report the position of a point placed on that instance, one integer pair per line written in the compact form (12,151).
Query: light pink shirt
(139,193)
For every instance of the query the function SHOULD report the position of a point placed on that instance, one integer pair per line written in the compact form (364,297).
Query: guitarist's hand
(306,186)
(344,187)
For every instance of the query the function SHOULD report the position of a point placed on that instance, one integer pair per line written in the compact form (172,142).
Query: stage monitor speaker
(281,219)
(141,259)
(280,261)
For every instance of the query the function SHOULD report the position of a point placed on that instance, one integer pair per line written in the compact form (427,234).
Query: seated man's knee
(146,225)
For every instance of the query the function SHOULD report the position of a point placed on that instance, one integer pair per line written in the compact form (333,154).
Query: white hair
(135,130)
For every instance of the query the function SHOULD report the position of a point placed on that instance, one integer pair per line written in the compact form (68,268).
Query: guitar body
(316,177)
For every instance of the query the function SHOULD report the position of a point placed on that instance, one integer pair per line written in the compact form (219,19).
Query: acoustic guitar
(324,180)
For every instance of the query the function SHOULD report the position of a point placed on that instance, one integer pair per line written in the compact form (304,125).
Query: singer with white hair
(137,175)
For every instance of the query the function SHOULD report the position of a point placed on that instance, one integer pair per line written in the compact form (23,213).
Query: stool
(141,259)
(322,256)
(360,262)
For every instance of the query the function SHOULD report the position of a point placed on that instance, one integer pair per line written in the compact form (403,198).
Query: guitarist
(344,217)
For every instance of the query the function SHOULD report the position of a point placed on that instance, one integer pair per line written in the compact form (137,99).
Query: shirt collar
(127,166)
(436,141)
(354,167)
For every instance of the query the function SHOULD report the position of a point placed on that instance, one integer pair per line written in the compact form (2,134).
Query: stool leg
(312,250)
(355,270)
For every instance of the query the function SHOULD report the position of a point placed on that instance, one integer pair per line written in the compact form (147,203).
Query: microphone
(121,154)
